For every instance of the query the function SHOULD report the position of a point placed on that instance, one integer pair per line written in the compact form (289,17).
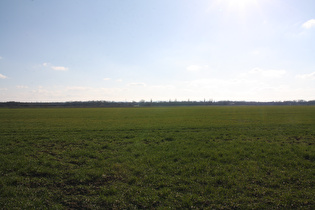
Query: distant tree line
(142,103)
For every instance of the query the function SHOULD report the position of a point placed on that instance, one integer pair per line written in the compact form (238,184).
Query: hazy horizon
(75,50)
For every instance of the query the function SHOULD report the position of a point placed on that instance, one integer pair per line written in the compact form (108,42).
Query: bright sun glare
(238,4)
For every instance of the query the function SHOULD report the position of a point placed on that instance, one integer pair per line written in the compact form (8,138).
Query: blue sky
(122,50)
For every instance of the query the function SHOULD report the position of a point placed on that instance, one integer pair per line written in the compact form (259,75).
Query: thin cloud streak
(310,76)
(59,68)
(196,68)
(2,76)
(55,68)
(22,87)
(268,72)
(309,24)
(140,84)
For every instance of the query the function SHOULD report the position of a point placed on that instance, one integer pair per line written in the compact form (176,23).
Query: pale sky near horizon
(123,50)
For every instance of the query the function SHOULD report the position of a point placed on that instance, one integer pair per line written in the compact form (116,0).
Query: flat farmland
(247,157)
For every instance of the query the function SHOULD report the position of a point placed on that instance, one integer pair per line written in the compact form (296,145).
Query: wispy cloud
(55,68)
(119,80)
(267,72)
(307,76)
(1,57)
(22,87)
(106,79)
(78,88)
(74,93)
(196,67)
(2,76)
(139,84)
(59,68)
(309,24)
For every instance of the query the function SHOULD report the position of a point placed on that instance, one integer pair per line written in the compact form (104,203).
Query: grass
(180,157)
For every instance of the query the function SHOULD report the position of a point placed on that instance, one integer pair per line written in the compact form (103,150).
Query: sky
(160,50)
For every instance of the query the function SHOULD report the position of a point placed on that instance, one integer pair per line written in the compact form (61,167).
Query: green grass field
(181,157)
